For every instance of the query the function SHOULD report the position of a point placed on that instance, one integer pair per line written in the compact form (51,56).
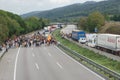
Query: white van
(91,39)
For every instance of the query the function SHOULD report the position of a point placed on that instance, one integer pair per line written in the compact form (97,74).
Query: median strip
(99,59)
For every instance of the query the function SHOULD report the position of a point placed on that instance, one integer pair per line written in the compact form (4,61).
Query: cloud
(24,6)
(59,1)
(21,6)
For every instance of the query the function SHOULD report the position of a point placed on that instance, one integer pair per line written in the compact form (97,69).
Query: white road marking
(37,66)
(33,55)
(59,65)
(49,54)
(80,64)
(15,68)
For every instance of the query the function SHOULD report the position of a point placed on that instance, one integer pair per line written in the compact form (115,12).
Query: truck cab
(79,35)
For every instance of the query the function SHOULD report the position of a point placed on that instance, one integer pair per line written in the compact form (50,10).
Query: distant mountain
(77,10)
(31,13)
(89,2)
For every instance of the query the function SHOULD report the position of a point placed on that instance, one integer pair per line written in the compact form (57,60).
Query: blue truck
(79,35)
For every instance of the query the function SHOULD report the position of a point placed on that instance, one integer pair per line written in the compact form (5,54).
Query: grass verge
(100,59)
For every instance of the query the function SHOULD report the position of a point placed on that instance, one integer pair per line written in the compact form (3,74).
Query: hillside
(78,10)
(12,25)
(31,14)
(111,27)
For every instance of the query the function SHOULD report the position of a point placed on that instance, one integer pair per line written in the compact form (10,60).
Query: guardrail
(2,53)
(110,73)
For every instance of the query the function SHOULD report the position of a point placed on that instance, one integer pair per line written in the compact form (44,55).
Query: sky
(24,6)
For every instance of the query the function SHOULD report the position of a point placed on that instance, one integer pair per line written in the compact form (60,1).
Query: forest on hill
(85,14)
(12,25)
(75,11)
(96,22)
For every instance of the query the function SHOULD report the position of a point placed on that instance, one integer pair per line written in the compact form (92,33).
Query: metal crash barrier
(80,58)
(2,53)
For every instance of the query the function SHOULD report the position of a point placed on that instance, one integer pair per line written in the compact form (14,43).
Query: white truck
(91,39)
(109,42)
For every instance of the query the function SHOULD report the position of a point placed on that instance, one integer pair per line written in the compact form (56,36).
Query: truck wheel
(118,53)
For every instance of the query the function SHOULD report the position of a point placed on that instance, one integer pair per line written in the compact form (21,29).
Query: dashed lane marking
(49,54)
(33,54)
(80,64)
(59,65)
(37,66)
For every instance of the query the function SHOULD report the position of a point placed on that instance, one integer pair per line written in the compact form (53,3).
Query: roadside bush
(113,30)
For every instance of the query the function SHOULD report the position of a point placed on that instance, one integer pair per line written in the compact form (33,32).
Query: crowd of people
(35,40)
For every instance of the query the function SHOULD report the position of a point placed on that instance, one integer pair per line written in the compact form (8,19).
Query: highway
(68,29)
(42,63)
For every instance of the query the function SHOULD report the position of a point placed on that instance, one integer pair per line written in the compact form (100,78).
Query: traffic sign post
(96,30)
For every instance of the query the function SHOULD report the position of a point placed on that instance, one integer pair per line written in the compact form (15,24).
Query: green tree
(107,17)
(13,25)
(34,23)
(83,23)
(45,22)
(95,20)
(115,18)
(3,33)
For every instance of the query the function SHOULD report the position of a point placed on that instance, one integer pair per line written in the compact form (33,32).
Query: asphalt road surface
(42,63)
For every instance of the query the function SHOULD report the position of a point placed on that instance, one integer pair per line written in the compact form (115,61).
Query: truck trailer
(109,42)
(79,35)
